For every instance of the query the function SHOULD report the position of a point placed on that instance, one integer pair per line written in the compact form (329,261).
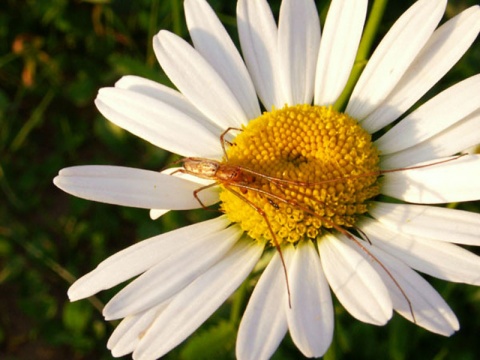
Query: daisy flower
(337,199)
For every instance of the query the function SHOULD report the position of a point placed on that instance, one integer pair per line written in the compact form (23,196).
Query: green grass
(54,57)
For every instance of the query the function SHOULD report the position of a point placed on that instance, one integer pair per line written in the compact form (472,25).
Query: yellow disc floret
(310,168)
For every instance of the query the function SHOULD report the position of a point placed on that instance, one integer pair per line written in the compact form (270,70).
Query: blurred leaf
(97,1)
(77,316)
(127,65)
(35,120)
(216,342)
(82,90)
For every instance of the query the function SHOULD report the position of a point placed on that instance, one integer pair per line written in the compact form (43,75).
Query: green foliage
(54,56)
(77,316)
(214,342)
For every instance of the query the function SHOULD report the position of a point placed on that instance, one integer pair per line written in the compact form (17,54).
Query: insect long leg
(223,141)
(326,206)
(384,268)
(196,191)
(336,227)
(256,208)
(195,194)
(267,221)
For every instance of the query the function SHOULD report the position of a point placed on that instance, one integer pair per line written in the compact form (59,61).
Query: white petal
(197,80)
(258,38)
(432,222)
(310,319)
(128,333)
(442,111)
(174,171)
(189,309)
(157,213)
(132,187)
(444,48)
(138,258)
(167,95)
(212,41)
(453,140)
(354,281)
(298,42)
(393,56)
(439,183)
(429,309)
(264,323)
(338,48)
(440,259)
(171,275)
(157,122)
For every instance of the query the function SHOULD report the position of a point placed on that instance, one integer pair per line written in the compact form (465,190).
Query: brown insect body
(217,171)
(201,167)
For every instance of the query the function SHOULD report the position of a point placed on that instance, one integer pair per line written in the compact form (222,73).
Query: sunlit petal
(432,222)
(393,56)
(445,47)
(157,122)
(264,323)
(310,318)
(444,110)
(174,273)
(439,183)
(128,333)
(192,74)
(354,281)
(413,297)
(440,259)
(132,187)
(338,47)
(298,33)
(462,135)
(257,32)
(212,41)
(209,291)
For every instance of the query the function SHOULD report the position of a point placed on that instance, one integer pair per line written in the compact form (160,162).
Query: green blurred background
(54,56)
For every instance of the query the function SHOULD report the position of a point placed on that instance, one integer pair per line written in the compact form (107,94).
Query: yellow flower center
(306,169)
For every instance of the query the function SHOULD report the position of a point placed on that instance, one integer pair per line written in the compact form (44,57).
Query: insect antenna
(223,141)
(278,180)
(196,191)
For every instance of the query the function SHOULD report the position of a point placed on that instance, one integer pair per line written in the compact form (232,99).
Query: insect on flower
(239,180)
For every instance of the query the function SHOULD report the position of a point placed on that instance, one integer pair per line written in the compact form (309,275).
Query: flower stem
(371,29)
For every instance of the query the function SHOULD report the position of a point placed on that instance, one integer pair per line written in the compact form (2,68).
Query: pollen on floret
(327,166)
